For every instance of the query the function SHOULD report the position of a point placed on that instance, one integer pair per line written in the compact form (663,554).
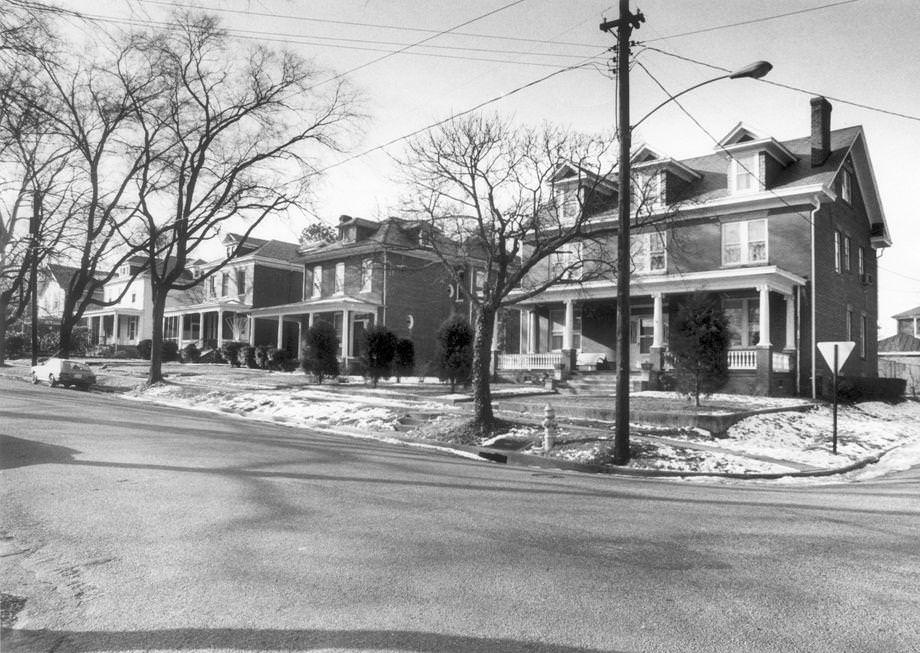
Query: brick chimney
(820,130)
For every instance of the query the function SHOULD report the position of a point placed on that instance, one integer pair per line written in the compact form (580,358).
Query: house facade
(899,355)
(375,273)
(262,273)
(783,235)
(128,316)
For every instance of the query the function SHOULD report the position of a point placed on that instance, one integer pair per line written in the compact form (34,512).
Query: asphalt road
(135,527)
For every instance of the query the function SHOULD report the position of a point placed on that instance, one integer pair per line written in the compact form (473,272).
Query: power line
(751,21)
(256,35)
(361,24)
(788,86)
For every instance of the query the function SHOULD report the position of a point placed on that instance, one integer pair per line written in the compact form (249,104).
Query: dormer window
(566,199)
(647,188)
(424,238)
(846,186)
(745,176)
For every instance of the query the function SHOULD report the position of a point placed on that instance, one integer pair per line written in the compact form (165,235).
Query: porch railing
(546,361)
(742,359)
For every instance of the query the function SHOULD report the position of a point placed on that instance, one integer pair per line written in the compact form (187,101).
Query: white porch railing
(742,359)
(546,361)
(781,362)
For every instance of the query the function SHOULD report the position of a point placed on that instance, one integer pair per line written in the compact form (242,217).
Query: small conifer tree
(455,350)
(321,354)
(380,349)
(404,363)
(699,346)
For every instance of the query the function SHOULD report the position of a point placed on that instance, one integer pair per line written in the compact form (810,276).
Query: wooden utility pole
(624,26)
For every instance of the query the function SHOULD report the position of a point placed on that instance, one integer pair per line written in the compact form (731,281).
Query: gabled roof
(278,250)
(914,312)
(899,342)
(740,133)
(62,273)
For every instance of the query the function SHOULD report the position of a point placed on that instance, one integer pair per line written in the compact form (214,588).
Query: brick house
(784,234)
(262,273)
(383,273)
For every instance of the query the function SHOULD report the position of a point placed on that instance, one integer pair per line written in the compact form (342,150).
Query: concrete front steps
(598,383)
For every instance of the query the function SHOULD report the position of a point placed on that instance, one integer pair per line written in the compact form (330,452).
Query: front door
(641,335)
(359,326)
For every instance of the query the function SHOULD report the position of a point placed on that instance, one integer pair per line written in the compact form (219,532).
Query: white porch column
(100,331)
(569,326)
(115,328)
(220,326)
(658,321)
(532,327)
(201,326)
(310,319)
(181,329)
(790,321)
(346,335)
(764,316)
(252,331)
(280,331)
(495,330)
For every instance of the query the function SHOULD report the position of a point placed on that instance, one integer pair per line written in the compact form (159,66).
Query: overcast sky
(861,51)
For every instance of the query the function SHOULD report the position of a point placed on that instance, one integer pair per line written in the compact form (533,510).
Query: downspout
(383,317)
(798,341)
(814,339)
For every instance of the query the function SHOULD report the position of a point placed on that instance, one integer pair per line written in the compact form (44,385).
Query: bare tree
(230,139)
(518,201)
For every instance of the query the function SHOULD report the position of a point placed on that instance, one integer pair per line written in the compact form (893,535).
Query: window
(566,263)
(212,287)
(846,253)
(171,327)
(745,177)
(241,281)
(863,332)
(566,203)
(836,251)
(367,275)
(339,287)
(846,186)
(133,298)
(851,323)
(317,281)
(132,327)
(744,242)
(744,321)
(646,334)
(649,252)
(861,261)
(647,189)
(224,284)
(557,320)
(479,282)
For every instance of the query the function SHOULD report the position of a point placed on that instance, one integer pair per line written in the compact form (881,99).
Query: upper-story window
(744,242)
(744,175)
(212,287)
(846,253)
(647,188)
(317,290)
(837,239)
(241,281)
(367,275)
(566,202)
(566,262)
(224,284)
(479,282)
(861,261)
(339,287)
(846,186)
(649,251)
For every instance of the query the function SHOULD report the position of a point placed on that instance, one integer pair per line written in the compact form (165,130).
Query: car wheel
(34,378)
(51,380)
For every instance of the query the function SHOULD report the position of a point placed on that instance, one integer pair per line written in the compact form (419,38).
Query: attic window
(566,200)
(745,177)
(424,238)
(846,186)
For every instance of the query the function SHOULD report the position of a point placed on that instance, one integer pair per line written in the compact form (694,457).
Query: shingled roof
(278,250)
(914,312)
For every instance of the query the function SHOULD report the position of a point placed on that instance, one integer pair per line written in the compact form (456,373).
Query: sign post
(836,354)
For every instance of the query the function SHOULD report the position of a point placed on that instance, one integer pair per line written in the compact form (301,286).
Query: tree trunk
(65,335)
(3,305)
(483,418)
(156,338)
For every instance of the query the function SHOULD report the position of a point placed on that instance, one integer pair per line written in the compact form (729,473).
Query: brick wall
(273,286)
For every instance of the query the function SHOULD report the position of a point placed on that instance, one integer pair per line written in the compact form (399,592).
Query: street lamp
(624,27)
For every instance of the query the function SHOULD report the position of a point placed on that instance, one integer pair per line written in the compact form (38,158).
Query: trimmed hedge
(851,389)
(190,353)
(230,351)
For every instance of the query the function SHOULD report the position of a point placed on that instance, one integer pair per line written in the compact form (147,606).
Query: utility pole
(624,26)
(33,246)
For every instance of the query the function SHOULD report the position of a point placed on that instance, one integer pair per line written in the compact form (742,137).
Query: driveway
(132,527)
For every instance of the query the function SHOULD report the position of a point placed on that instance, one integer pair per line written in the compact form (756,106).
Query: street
(132,527)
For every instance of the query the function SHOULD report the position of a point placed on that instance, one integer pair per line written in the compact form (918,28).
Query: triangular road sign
(844,349)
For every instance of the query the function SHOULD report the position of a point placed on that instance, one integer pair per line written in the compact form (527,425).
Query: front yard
(424,414)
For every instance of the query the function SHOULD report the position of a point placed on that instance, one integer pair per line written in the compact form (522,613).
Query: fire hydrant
(549,428)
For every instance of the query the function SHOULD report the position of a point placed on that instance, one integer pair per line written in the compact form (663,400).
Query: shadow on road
(182,639)
(17,452)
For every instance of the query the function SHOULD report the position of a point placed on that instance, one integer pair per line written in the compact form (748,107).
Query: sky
(857,51)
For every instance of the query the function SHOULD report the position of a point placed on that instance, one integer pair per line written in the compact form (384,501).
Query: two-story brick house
(784,234)
(261,273)
(385,273)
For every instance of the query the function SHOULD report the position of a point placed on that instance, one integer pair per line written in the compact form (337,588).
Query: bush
(208,343)
(321,352)
(356,368)
(169,350)
(455,350)
(49,343)
(281,359)
(380,349)
(80,341)
(16,346)
(246,356)
(190,353)
(851,389)
(262,356)
(145,348)
(230,352)
(404,361)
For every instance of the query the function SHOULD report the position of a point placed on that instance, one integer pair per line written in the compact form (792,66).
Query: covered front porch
(285,326)
(207,325)
(112,326)
(572,327)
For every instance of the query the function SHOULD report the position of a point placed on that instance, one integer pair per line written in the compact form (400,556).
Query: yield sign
(844,349)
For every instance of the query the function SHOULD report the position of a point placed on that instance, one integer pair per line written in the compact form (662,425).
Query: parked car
(64,372)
